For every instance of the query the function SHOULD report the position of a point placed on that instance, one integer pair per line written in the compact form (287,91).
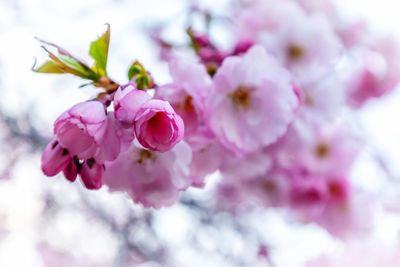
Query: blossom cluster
(269,115)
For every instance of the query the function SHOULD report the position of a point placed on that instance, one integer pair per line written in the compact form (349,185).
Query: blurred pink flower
(188,92)
(253,102)
(304,43)
(265,15)
(323,99)
(328,150)
(151,178)
(376,71)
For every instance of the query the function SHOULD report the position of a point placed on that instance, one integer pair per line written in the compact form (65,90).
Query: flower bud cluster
(88,137)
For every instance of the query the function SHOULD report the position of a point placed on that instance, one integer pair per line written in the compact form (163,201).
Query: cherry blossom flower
(307,46)
(323,99)
(151,178)
(251,107)
(157,126)
(265,16)
(86,131)
(188,92)
(127,102)
(323,149)
(85,137)
(375,71)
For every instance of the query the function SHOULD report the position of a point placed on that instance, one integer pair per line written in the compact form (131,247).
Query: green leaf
(135,69)
(66,63)
(142,82)
(76,66)
(99,52)
(142,78)
(49,67)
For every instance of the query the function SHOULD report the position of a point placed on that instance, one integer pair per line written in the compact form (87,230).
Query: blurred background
(49,222)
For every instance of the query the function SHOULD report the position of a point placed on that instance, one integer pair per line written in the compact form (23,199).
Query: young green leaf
(49,67)
(142,78)
(99,52)
(64,62)
(135,69)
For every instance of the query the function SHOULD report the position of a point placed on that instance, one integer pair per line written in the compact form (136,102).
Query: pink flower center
(159,126)
(322,150)
(241,97)
(308,99)
(295,52)
(187,104)
(155,121)
(145,155)
(268,186)
(337,190)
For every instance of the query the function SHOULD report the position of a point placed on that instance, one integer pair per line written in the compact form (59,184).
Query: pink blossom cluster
(269,116)
(335,66)
(92,141)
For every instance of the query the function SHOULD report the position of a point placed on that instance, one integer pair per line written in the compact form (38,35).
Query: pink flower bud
(242,46)
(71,171)
(54,158)
(127,102)
(92,174)
(157,126)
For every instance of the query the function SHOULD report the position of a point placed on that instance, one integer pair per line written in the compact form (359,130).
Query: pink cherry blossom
(323,149)
(265,16)
(308,192)
(349,212)
(251,107)
(85,137)
(151,178)
(208,155)
(127,102)
(322,99)
(307,46)
(86,131)
(188,92)
(157,126)
(271,189)
(245,167)
(375,71)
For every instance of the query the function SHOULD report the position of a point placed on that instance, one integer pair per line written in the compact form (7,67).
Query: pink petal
(92,174)
(54,158)
(89,112)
